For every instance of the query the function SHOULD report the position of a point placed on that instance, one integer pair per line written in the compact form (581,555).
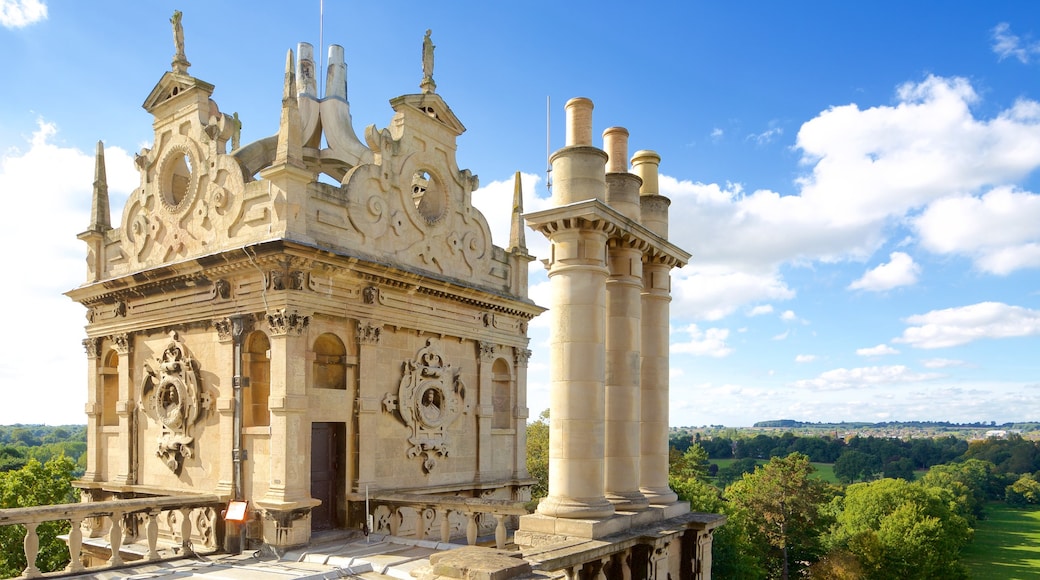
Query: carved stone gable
(430,398)
(170,395)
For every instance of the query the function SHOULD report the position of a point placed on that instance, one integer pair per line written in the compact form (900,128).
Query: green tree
(1025,491)
(855,465)
(538,455)
(32,485)
(899,529)
(779,507)
(973,483)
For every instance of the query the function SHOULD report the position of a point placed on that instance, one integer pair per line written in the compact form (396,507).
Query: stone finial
(427,85)
(180,61)
(579,121)
(517,239)
(99,209)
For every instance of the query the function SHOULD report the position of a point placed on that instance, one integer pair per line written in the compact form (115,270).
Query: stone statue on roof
(427,84)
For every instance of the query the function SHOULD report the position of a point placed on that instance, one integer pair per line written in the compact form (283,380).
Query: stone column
(623,339)
(654,362)
(577,277)
(225,404)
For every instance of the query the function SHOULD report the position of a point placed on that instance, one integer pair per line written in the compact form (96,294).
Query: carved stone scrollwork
(170,395)
(119,309)
(223,327)
(522,356)
(297,280)
(368,333)
(282,322)
(487,351)
(121,343)
(488,318)
(93,347)
(430,398)
(277,280)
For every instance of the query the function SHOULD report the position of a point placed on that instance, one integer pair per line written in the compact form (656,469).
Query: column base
(628,501)
(659,495)
(575,508)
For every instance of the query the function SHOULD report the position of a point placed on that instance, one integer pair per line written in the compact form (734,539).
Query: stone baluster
(75,545)
(500,531)
(471,529)
(445,525)
(185,529)
(153,534)
(115,538)
(31,544)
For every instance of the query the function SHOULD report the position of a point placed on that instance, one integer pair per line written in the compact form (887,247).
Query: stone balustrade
(418,515)
(118,514)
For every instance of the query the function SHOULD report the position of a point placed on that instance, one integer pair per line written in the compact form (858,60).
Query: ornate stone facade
(255,305)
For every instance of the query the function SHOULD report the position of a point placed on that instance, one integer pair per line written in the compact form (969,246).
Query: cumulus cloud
(997,230)
(788,316)
(1008,45)
(839,379)
(710,342)
(965,324)
(879,350)
(901,270)
(21,13)
(62,176)
(760,310)
(714,292)
(941,363)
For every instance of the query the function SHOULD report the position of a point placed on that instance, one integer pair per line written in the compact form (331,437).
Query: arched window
(110,389)
(501,395)
(257,366)
(329,368)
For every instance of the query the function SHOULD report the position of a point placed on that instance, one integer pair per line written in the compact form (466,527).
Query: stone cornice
(594,213)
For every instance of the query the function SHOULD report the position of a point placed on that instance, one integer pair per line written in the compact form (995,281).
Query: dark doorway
(327,484)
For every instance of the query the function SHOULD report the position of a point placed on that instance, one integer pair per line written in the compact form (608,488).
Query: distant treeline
(20,443)
(991,425)
(867,458)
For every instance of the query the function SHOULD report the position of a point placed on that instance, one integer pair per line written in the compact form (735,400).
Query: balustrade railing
(118,513)
(418,515)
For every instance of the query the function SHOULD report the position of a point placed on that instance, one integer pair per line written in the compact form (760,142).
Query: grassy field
(1006,546)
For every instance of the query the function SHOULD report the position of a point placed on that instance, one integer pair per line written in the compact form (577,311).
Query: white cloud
(964,324)
(804,358)
(838,379)
(901,270)
(760,310)
(716,133)
(997,230)
(710,342)
(714,292)
(1008,45)
(782,335)
(941,363)
(46,234)
(21,13)
(788,316)
(766,137)
(879,350)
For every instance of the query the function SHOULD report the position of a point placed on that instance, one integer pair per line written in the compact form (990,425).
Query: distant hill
(792,424)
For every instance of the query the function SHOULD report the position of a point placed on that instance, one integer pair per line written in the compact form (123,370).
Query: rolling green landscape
(1006,545)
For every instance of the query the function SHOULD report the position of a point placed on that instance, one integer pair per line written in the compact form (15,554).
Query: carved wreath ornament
(170,395)
(430,398)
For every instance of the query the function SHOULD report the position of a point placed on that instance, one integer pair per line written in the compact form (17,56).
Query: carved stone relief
(170,394)
(430,398)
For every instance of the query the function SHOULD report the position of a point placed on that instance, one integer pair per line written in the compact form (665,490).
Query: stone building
(319,325)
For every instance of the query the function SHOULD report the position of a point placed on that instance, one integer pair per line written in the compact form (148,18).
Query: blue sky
(857,182)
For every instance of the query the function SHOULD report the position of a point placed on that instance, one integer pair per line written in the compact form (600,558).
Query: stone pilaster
(121,464)
(520,414)
(368,402)
(92,409)
(485,409)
